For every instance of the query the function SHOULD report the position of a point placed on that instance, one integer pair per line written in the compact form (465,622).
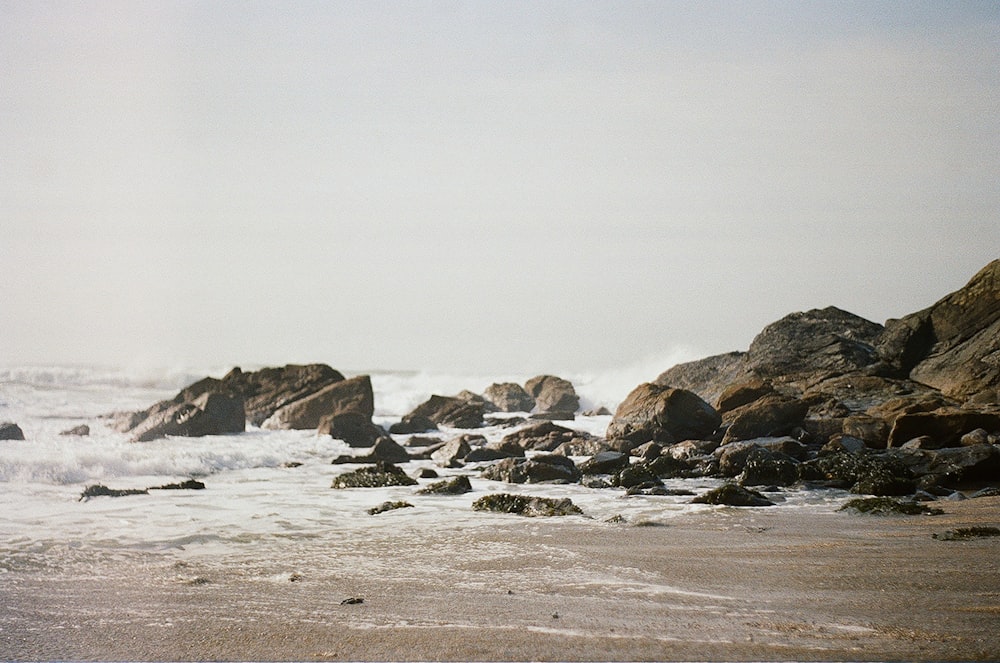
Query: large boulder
(955,466)
(208,414)
(10,431)
(653,412)
(353,395)
(509,397)
(552,394)
(708,377)
(769,416)
(446,411)
(743,393)
(269,389)
(954,345)
(819,341)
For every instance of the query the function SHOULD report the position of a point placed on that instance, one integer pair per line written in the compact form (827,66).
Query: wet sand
(726,584)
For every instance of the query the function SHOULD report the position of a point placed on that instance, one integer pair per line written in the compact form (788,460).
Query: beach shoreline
(720,584)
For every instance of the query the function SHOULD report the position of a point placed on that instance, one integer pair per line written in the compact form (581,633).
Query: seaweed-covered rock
(190,484)
(456,486)
(733,456)
(379,475)
(870,474)
(527,505)
(732,495)
(542,468)
(636,474)
(389,506)
(765,468)
(965,533)
(885,506)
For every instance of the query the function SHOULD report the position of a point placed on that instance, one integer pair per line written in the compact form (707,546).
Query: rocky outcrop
(662,414)
(954,345)
(708,377)
(211,413)
(353,395)
(10,431)
(552,394)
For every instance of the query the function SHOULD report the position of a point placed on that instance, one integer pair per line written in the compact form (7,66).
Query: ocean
(267,495)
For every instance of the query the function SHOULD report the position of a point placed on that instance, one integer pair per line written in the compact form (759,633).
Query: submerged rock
(884,506)
(100,490)
(388,506)
(964,533)
(10,431)
(457,486)
(527,505)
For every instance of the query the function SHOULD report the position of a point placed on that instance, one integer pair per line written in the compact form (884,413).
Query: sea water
(267,494)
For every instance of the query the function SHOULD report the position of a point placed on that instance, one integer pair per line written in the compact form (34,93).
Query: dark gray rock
(354,428)
(353,395)
(946,426)
(708,377)
(212,413)
(456,486)
(10,431)
(764,468)
(543,468)
(526,505)
(605,462)
(380,475)
(413,423)
(545,436)
(385,450)
(732,495)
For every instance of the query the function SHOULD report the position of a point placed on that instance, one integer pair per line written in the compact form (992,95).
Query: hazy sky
(509,186)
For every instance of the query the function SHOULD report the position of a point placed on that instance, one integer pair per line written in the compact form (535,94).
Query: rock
(952,345)
(10,431)
(884,506)
(374,511)
(545,436)
(505,422)
(552,394)
(871,474)
(653,412)
(269,389)
(509,397)
(100,490)
(452,453)
(946,426)
(385,450)
(605,462)
(538,469)
(553,416)
(427,473)
(353,395)
(844,444)
(922,442)
(769,416)
(828,340)
(476,399)
(495,451)
(873,431)
(423,442)
(953,466)
(972,438)
(648,450)
(83,430)
(964,533)
(354,428)
(743,393)
(597,412)
(212,413)
(448,411)
(457,486)
(526,505)
(379,475)
(413,423)
(732,495)
(733,457)
(764,468)
(689,449)
(636,474)
(579,446)
(708,377)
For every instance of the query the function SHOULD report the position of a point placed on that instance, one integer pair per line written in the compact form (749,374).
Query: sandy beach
(724,584)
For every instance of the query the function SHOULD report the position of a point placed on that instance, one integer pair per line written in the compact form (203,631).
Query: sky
(482,186)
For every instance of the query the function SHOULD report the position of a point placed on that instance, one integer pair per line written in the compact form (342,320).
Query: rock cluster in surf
(821,398)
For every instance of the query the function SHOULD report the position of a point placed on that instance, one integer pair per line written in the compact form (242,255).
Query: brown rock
(767,417)
(354,395)
(552,394)
(653,412)
(946,426)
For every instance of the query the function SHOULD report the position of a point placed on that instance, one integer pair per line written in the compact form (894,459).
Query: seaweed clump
(963,533)
(732,495)
(526,505)
(885,506)
(100,490)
